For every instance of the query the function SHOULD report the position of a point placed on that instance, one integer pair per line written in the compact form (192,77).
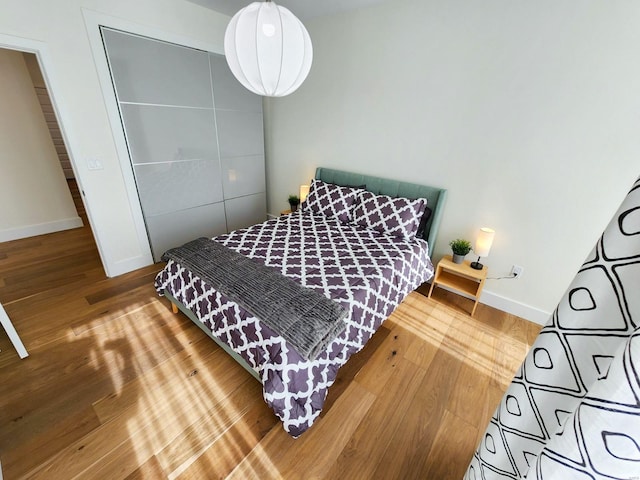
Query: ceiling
(303,9)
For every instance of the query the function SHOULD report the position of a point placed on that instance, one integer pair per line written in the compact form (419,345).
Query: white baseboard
(513,307)
(40,229)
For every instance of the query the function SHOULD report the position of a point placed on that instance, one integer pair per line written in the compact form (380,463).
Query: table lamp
(304,191)
(482,246)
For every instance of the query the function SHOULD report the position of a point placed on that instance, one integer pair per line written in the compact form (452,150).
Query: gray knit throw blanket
(306,319)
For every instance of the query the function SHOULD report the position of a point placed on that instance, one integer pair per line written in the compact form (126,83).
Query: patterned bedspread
(368,273)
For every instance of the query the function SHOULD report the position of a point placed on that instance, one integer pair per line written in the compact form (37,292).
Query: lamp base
(476,265)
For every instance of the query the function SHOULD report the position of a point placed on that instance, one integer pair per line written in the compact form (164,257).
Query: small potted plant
(294,201)
(460,248)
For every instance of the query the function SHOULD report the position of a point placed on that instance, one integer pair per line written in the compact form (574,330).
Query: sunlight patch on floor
(257,465)
(180,402)
(172,407)
(452,334)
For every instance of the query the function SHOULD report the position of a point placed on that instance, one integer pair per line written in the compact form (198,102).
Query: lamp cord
(511,277)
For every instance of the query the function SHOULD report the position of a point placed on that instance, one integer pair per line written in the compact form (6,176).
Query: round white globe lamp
(268,49)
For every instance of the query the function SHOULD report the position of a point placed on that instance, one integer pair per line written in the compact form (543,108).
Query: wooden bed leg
(174,307)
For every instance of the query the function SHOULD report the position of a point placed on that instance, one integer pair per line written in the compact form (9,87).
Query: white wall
(34,197)
(527,112)
(61,28)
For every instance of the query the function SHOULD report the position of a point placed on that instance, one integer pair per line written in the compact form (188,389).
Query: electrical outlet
(517,271)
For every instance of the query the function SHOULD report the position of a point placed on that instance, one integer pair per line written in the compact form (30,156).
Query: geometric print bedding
(573,409)
(398,217)
(330,200)
(366,272)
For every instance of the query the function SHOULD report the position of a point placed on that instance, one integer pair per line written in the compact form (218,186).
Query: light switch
(94,164)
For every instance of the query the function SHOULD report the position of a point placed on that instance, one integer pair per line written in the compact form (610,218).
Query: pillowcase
(397,217)
(330,200)
(423,222)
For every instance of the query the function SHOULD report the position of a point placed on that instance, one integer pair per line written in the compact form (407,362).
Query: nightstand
(285,212)
(460,277)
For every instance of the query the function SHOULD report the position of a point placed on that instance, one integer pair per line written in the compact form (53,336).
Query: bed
(342,243)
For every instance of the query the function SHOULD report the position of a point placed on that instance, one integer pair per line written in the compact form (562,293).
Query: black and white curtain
(572,411)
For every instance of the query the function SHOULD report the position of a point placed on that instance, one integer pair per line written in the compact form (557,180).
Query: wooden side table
(460,277)
(285,212)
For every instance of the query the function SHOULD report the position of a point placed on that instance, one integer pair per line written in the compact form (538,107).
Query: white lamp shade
(484,242)
(268,49)
(304,191)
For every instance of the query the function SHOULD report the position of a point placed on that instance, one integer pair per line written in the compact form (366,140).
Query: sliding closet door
(241,141)
(166,103)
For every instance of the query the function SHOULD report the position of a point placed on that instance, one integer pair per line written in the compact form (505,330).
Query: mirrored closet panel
(194,136)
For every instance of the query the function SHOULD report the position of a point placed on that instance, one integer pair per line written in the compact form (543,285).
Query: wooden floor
(116,386)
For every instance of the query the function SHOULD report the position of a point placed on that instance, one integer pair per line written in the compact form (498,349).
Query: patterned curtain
(572,411)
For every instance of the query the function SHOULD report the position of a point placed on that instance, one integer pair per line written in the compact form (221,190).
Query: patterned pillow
(397,217)
(330,200)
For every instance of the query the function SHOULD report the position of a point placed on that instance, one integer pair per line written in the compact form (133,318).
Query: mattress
(367,272)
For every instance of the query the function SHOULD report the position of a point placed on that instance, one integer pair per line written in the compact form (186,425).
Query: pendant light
(268,49)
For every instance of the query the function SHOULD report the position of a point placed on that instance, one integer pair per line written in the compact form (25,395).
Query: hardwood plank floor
(117,386)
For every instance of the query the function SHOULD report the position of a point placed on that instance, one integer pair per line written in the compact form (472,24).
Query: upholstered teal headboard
(384,186)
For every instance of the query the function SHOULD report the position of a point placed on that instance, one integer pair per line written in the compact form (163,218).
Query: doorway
(40,193)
